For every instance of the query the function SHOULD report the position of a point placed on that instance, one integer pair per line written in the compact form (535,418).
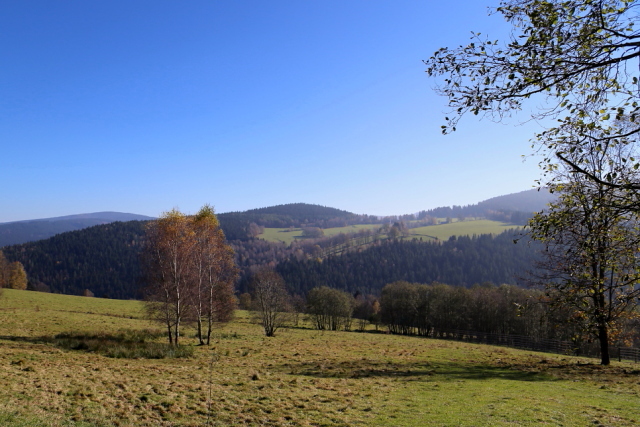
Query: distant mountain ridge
(104,216)
(532,200)
(515,208)
(101,254)
(17,232)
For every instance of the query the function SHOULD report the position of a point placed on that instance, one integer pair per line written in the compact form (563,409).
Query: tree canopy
(190,272)
(577,56)
(580,58)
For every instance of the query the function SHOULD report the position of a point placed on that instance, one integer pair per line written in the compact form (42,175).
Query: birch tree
(190,272)
(215,273)
(169,246)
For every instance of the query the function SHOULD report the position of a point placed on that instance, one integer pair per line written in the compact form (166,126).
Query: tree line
(429,310)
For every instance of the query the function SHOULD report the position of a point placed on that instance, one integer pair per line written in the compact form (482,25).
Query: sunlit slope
(300,377)
(288,235)
(441,231)
(33,314)
(462,228)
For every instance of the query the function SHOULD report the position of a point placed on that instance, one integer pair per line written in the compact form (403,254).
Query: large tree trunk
(603,336)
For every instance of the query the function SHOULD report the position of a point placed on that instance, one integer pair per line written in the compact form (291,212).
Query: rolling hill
(104,257)
(13,233)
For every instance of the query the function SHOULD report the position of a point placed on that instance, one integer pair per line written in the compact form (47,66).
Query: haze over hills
(500,208)
(104,216)
(16,232)
(514,208)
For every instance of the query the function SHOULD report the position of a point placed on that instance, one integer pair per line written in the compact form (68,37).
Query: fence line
(534,344)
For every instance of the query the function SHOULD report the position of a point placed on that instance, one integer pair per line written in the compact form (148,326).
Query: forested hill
(461,261)
(515,208)
(238,225)
(103,259)
(14,233)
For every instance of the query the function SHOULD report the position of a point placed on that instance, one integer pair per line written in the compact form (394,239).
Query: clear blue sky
(142,106)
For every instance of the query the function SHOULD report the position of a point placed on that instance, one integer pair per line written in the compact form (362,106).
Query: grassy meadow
(301,377)
(440,231)
(460,228)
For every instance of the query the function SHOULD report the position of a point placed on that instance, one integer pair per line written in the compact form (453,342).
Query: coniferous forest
(461,261)
(104,259)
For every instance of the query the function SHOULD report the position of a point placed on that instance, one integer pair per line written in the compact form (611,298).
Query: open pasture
(301,377)
(441,231)
(460,228)
(287,235)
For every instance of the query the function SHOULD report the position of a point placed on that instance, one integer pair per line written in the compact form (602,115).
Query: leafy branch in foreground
(579,56)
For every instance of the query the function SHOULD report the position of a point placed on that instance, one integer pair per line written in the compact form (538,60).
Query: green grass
(127,344)
(284,235)
(287,235)
(461,228)
(350,229)
(441,231)
(301,377)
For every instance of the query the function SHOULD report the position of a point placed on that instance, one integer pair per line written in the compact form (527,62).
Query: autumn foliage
(190,272)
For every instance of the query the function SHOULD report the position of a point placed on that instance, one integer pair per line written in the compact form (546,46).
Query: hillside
(300,377)
(13,233)
(244,225)
(515,208)
(104,258)
(461,261)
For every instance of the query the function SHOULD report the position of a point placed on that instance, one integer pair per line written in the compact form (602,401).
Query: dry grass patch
(301,377)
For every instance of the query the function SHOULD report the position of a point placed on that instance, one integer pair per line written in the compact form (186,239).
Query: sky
(144,106)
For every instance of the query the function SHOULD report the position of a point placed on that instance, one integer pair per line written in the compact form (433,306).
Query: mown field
(301,377)
(461,228)
(287,235)
(441,231)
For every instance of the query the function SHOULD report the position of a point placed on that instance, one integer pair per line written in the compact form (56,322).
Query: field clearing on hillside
(301,377)
(441,231)
(287,235)
(284,235)
(461,228)
(350,229)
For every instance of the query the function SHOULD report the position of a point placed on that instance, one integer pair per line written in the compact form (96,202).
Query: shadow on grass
(447,371)
(127,344)
(32,340)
